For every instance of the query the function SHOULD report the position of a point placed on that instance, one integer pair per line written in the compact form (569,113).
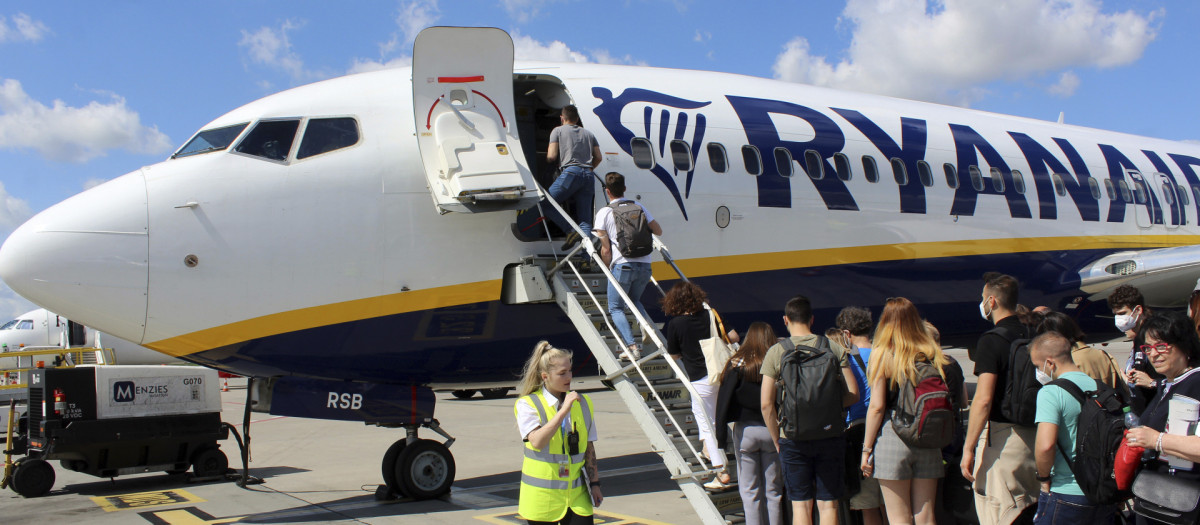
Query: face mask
(1042,377)
(987,316)
(1125,322)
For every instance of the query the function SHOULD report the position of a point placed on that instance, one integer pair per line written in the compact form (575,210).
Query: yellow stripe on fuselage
(483,291)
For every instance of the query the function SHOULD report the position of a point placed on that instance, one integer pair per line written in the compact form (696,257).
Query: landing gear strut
(418,468)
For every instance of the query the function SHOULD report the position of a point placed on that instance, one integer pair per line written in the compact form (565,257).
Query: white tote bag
(716,351)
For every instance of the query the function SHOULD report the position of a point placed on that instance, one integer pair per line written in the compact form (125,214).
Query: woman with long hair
(760,480)
(907,475)
(689,325)
(559,430)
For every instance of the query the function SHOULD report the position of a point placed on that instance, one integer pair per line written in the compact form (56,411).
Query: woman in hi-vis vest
(560,480)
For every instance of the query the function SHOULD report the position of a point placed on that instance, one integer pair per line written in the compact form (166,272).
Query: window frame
(870,169)
(899,171)
(757,156)
(304,134)
(976,178)
(1018,181)
(951,173)
(687,149)
(925,173)
(840,160)
(997,177)
(809,163)
(1059,186)
(633,152)
(288,155)
(1095,188)
(717,146)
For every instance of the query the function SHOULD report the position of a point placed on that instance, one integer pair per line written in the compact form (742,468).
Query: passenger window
(870,170)
(752,159)
(783,162)
(997,180)
(717,158)
(643,153)
(681,155)
(976,178)
(1168,194)
(925,173)
(211,140)
(1018,182)
(1139,192)
(1108,188)
(1196,192)
(1125,193)
(322,135)
(841,164)
(899,172)
(1059,187)
(815,164)
(951,175)
(1095,187)
(1183,196)
(270,139)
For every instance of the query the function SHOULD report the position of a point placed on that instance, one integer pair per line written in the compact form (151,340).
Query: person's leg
(561,190)
(622,273)
(637,287)
(797,470)
(772,475)
(896,500)
(924,501)
(700,411)
(750,481)
(829,511)
(574,519)
(802,512)
(582,199)
(828,456)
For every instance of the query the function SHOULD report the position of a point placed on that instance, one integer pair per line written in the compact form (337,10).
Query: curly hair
(855,319)
(684,298)
(1126,295)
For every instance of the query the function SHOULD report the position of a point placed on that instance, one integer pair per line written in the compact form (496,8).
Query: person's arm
(541,437)
(552,153)
(1186,447)
(981,407)
(605,246)
(593,473)
(874,423)
(1044,450)
(596,156)
(655,228)
(851,395)
(767,402)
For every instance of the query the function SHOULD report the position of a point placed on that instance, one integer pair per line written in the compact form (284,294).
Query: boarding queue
(871,421)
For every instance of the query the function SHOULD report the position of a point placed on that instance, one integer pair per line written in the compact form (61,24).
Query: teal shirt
(1055,405)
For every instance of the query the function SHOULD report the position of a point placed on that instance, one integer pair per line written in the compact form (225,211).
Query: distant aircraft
(41,328)
(348,238)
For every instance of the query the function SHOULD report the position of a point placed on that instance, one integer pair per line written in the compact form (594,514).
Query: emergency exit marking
(141,500)
(600,518)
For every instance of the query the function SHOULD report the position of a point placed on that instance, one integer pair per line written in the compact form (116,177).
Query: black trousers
(570,519)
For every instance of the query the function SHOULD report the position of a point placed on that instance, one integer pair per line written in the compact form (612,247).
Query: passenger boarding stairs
(654,388)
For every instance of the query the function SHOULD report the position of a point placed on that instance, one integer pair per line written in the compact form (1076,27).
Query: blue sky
(93,90)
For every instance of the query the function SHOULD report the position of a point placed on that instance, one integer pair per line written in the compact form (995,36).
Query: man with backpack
(1060,428)
(624,228)
(807,384)
(1004,475)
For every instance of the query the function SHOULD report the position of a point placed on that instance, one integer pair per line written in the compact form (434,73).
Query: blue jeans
(1054,508)
(633,278)
(576,184)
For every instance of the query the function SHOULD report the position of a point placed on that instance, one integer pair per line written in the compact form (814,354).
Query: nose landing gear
(418,468)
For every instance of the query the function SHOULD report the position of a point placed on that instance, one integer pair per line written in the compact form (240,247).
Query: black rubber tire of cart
(494,393)
(209,461)
(425,469)
(389,466)
(463,394)
(33,478)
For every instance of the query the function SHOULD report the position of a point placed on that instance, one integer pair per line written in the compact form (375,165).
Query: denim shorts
(813,469)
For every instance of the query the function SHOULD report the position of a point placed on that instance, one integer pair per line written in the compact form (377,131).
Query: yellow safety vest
(546,496)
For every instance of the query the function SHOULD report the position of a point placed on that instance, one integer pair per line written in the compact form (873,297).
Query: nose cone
(85,258)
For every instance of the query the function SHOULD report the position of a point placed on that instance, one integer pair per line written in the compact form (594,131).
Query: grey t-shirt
(575,145)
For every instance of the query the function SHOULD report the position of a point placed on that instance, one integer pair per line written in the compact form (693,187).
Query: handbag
(716,351)
(1166,498)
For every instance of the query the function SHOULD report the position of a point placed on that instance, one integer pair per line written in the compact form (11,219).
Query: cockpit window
(323,135)
(210,140)
(10,325)
(270,139)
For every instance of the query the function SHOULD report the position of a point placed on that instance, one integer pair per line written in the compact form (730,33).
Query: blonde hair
(542,359)
(901,340)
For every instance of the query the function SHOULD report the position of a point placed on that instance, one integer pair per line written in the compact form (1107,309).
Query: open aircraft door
(463,106)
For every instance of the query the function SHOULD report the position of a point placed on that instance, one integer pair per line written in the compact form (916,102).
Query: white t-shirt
(528,420)
(606,222)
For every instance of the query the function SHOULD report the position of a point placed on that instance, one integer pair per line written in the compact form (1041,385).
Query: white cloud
(12,305)
(13,211)
(527,48)
(93,182)
(272,48)
(411,18)
(74,134)
(944,50)
(363,65)
(702,36)
(24,28)
(1067,83)
(522,11)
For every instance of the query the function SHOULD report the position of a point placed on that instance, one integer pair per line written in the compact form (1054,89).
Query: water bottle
(1131,419)
(1129,458)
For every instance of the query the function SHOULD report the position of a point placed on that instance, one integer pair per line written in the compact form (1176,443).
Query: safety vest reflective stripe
(587,413)
(537,403)
(552,458)
(551,484)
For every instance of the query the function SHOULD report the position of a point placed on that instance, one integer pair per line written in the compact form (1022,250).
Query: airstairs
(654,388)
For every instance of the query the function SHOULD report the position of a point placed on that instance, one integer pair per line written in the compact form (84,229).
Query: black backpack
(924,413)
(1019,403)
(1098,434)
(810,394)
(634,238)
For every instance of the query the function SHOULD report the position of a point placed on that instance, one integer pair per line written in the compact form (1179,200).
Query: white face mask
(987,316)
(1125,322)
(1042,377)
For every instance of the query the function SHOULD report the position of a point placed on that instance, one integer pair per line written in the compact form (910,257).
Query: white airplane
(349,237)
(42,328)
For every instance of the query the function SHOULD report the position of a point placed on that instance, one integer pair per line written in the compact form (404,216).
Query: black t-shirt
(991,356)
(1157,410)
(684,334)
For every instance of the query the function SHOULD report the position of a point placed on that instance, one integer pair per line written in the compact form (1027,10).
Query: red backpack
(924,413)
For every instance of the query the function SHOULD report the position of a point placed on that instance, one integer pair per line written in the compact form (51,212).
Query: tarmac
(318,471)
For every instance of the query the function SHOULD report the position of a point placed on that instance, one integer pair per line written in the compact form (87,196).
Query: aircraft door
(465,121)
(1146,211)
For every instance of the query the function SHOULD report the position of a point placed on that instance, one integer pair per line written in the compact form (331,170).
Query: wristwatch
(1042,479)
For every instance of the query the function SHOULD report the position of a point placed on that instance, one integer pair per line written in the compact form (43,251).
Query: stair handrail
(586,244)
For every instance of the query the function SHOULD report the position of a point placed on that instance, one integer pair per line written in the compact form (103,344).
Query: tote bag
(716,351)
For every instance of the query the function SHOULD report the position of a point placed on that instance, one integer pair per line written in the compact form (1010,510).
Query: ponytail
(544,355)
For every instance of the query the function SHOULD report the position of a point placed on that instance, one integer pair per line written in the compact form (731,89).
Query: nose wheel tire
(425,469)
(389,466)
(33,478)
(463,394)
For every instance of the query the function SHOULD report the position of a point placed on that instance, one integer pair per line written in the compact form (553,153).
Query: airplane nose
(85,258)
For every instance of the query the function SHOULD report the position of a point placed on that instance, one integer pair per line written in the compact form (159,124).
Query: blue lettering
(1042,164)
(913,135)
(1118,163)
(774,191)
(966,142)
